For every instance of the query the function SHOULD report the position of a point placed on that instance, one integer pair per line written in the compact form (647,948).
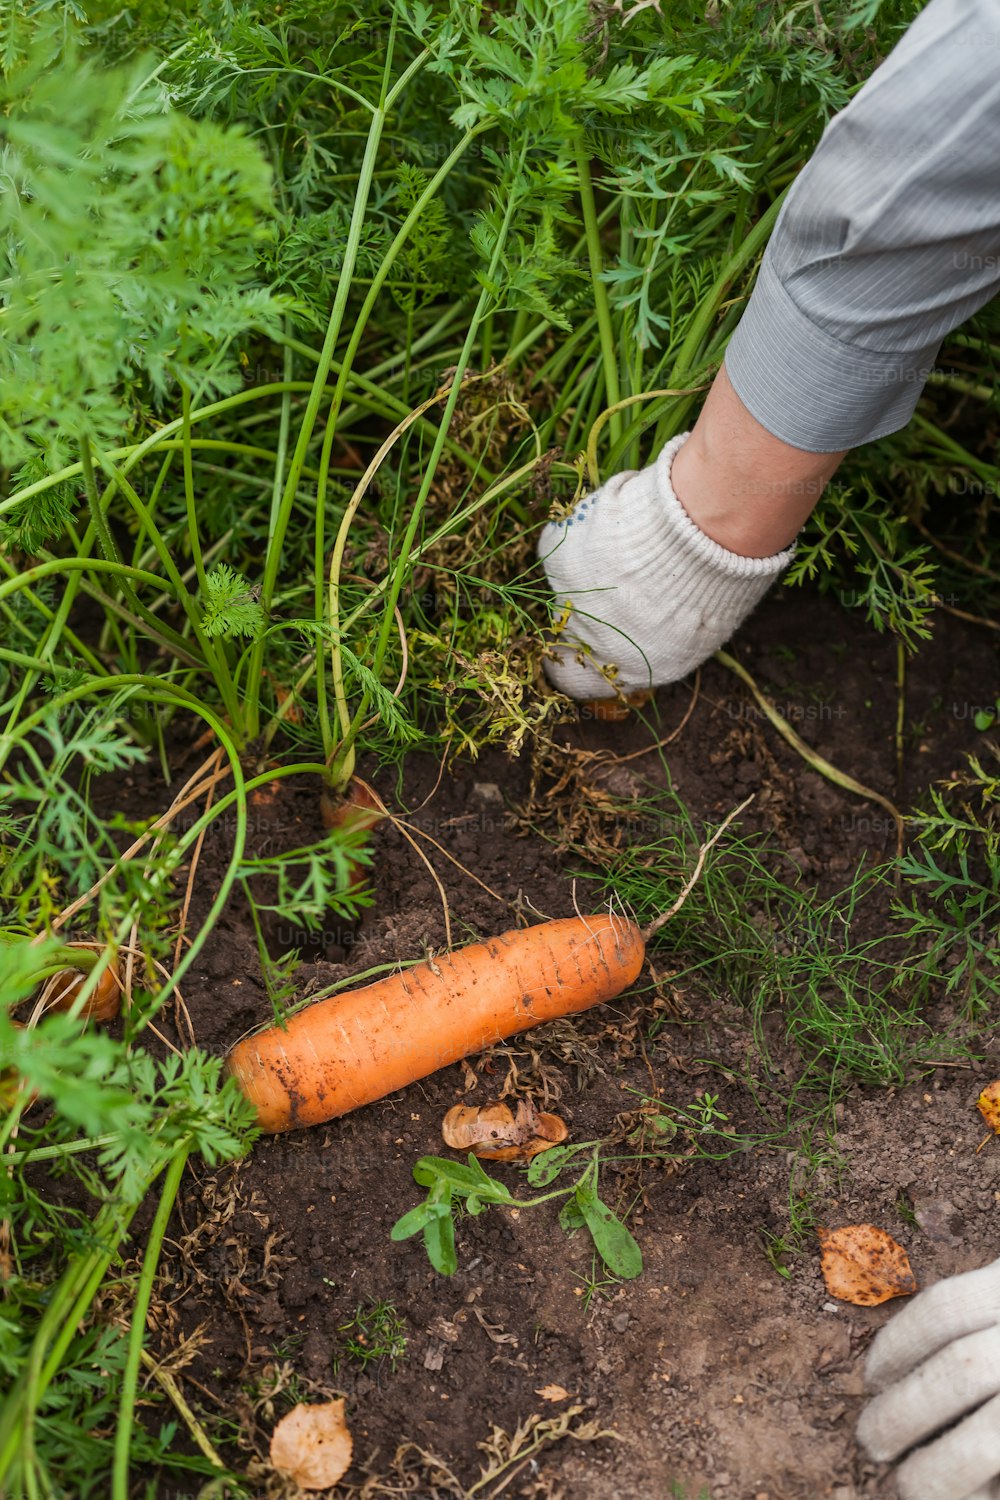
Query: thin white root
(664,917)
(420,855)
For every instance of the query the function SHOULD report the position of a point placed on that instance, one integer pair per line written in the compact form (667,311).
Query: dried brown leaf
(494,1331)
(552,1392)
(495,1133)
(444,1329)
(312,1445)
(466,1126)
(864,1265)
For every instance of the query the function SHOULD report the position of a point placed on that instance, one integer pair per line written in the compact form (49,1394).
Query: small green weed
(781,1247)
(986,718)
(952,871)
(679,1491)
(449,1183)
(595,1285)
(290,1344)
(904,1208)
(854,1006)
(376,1334)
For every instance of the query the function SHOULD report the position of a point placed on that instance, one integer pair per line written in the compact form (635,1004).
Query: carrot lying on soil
(58,994)
(353,1048)
(11,1085)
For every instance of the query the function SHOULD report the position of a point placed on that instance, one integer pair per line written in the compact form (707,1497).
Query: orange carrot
(12,1085)
(105,1002)
(359,809)
(615,710)
(353,1048)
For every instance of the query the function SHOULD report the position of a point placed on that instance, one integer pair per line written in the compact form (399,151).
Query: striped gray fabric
(889,238)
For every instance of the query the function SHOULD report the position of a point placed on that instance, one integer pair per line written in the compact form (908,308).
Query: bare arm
(741,486)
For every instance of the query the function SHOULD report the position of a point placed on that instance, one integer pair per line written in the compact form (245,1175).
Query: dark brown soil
(710,1371)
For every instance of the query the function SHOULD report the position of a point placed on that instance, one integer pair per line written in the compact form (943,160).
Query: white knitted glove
(651,595)
(938,1360)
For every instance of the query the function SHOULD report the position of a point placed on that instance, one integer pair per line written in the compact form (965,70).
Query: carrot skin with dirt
(354,1048)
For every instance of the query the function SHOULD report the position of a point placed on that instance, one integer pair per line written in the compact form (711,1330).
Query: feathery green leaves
(128,245)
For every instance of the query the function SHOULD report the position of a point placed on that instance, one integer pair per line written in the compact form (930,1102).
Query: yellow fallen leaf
(552,1392)
(864,1265)
(312,1445)
(988,1105)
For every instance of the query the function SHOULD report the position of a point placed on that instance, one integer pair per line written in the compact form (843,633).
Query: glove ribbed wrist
(649,596)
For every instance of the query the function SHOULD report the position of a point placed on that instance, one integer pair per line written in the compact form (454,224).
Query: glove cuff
(707,556)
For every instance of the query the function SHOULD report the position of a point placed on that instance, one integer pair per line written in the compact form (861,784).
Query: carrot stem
(67,1304)
(809,755)
(144,1291)
(194,1427)
(595,256)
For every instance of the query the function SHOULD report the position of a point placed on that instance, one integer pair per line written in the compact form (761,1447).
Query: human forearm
(888,239)
(742,486)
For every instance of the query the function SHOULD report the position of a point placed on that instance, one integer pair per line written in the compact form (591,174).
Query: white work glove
(651,595)
(938,1361)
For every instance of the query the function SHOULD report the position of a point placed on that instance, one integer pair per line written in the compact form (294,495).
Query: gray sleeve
(889,238)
